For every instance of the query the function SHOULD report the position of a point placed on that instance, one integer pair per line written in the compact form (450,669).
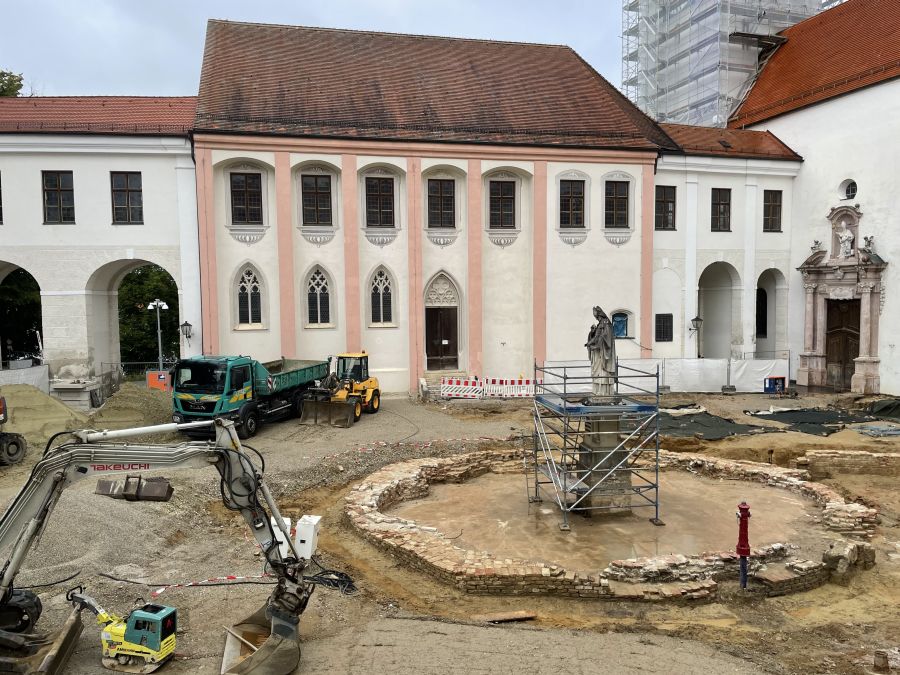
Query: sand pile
(38,416)
(134,405)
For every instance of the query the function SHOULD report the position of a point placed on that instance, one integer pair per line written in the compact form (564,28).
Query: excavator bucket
(39,654)
(251,648)
(335,413)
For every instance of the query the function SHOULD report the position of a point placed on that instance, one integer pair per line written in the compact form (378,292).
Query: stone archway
(719,305)
(21,327)
(843,300)
(441,324)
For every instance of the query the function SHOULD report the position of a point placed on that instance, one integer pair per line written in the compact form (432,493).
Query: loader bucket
(253,648)
(39,654)
(335,413)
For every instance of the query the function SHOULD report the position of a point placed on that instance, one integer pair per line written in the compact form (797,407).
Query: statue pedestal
(598,456)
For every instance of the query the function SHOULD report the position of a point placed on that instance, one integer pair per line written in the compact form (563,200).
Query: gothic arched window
(317,297)
(249,296)
(382,299)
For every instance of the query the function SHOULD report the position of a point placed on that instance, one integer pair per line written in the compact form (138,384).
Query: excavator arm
(95,453)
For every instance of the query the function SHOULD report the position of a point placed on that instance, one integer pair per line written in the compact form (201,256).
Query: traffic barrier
(456,387)
(509,388)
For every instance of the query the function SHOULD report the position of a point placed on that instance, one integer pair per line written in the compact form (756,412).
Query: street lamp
(696,323)
(158,305)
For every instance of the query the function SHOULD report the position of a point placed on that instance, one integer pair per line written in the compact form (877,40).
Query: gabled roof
(853,45)
(300,81)
(126,115)
(716,142)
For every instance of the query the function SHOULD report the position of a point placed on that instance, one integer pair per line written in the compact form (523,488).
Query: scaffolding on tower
(595,453)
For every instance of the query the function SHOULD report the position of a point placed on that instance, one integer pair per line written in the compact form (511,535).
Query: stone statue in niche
(845,240)
(601,346)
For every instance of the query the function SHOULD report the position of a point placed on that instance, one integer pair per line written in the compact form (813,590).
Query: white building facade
(60,223)
(840,109)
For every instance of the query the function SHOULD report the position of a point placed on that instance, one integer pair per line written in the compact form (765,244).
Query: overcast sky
(154,47)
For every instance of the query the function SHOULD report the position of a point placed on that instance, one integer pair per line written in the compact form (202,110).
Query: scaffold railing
(596,439)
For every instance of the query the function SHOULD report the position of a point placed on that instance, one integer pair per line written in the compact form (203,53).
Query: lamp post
(696,325)
(158,305)
(187,330)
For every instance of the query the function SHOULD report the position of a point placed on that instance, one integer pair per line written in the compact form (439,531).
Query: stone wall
(827,463)
(674,577)
(838,514)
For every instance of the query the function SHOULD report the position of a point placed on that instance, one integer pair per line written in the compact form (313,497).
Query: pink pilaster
(351,250)
(647,206)
(206,222)
(284,209)
(414,256)
(474,286)
(539,272)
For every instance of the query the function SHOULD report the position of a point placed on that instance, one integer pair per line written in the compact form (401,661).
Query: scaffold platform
(595,452)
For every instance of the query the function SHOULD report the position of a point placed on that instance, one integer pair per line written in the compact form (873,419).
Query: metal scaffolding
(595,452)
(681,62)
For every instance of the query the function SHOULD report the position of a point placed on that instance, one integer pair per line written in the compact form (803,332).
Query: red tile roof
(851,46)
(130,115)
(300,81)
(728,142)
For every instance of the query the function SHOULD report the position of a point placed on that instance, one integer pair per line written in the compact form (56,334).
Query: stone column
(809,320)
(599,450)
(821,326)
(865,378)
(865,316)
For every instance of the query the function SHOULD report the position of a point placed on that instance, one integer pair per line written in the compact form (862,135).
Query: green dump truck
(242,389)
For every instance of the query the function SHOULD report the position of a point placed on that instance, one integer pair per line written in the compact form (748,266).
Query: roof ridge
(422,36)
(82,96)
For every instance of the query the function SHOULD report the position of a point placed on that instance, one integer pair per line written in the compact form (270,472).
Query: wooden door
(441,350)
(841,342)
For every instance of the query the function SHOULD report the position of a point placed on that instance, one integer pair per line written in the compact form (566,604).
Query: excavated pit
(466,520)
(492,513)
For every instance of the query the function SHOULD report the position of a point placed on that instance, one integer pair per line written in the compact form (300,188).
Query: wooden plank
(504,617)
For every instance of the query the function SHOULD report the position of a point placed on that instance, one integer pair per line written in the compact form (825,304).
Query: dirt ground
(401,621)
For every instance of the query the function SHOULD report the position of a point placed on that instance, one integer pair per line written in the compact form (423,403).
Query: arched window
(318,301)
(382,300)
(249,298)
(620,324)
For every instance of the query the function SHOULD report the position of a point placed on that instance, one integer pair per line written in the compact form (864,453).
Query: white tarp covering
(37,376)
(695,374)
(684,375)
(749,374)
(634,383)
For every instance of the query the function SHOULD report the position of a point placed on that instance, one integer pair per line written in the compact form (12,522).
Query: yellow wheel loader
(344,395)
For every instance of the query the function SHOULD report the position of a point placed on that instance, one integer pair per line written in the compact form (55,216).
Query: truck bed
(289,373)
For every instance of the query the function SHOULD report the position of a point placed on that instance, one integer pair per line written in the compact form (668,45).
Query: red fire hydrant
(743,544)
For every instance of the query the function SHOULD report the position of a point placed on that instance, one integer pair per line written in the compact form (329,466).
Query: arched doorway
(20,315)
(121,328)
(441,324)
(771,315)
(719,305)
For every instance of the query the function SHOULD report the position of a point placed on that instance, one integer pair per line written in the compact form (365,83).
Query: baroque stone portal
(843,303)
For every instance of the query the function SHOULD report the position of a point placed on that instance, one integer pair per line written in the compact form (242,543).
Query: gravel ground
(191,538)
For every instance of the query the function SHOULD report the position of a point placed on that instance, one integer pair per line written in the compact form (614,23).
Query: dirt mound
(36,415)
(134,405)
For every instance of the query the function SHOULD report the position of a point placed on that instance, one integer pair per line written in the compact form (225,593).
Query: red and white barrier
(509,388)
(457,387)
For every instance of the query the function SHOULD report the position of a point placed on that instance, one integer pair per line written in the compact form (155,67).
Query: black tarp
(710,427)
(816,421)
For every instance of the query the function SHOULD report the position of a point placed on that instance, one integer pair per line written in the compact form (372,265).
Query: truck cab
(241,389)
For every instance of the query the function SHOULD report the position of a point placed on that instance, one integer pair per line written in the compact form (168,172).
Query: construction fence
(677,375)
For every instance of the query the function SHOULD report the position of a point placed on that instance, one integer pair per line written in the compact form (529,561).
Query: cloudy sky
(154,47)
